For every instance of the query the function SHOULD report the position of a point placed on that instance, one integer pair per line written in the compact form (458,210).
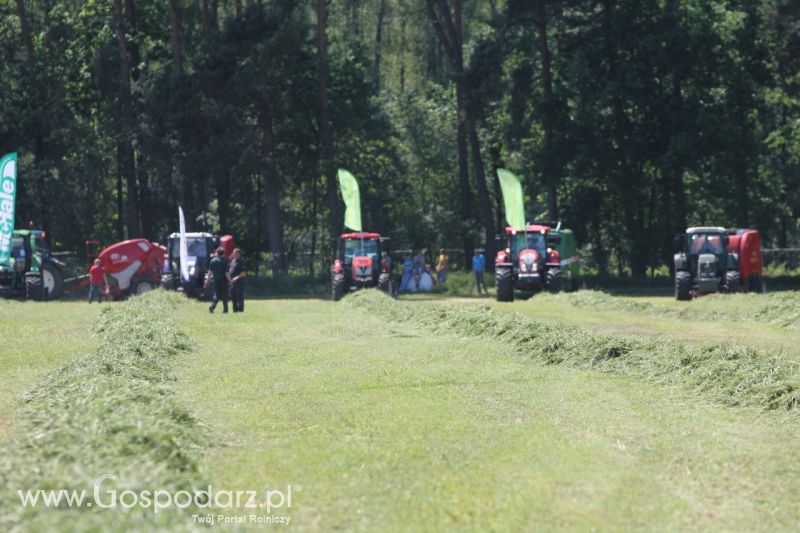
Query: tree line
(626,119)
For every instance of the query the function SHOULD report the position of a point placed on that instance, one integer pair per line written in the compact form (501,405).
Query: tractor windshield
(196,247)
(534,241)
(706,243)
(357,248)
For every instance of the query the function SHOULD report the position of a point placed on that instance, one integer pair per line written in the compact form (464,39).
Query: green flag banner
(352,200)
(8,198)
(512,198)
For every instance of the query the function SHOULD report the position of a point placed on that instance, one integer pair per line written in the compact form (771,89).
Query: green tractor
(33,273)
(703,264)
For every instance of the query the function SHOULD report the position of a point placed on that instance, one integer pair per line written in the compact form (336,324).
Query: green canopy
(352,200)
(512,198)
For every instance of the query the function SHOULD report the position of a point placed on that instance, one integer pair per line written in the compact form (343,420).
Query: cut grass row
(112,411)
(781,309)
(728,373)
(391,426)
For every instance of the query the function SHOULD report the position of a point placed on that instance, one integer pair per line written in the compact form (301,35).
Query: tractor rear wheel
(337,287)
(555,280)
(732,280)
(34,287)
(504,285)
(385,283)
(683,286)
(53,280)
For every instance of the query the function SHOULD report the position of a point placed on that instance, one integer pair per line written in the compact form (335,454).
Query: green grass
(113,412)
(36,338)
(781,309)
(390,426)
(405,416)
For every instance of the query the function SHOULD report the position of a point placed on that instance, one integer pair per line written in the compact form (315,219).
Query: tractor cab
(703,264)
(360,262)
(199,248)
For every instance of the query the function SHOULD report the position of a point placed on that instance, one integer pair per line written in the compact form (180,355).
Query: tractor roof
(706,229)
(531,228)
(27,232)
(360,235)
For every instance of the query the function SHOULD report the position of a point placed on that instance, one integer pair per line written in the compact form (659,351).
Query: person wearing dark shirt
(237,273)
(218,270)
(97,281)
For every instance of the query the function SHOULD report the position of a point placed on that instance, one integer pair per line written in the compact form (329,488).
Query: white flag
(184,251)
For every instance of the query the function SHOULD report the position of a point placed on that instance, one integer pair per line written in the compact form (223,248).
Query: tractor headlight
(192,271)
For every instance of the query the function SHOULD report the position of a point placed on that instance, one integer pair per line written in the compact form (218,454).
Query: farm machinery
(704,264)
(745,244)
(542,257)
(360,263)
(200,247)
(33,272)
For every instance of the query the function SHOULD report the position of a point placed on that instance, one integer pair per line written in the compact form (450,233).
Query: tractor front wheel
(337,287)
(555,280)
(683,286)
(732,280)
(504,285)
(34,287)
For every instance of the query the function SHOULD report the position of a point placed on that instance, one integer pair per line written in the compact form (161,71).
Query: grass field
(380,420)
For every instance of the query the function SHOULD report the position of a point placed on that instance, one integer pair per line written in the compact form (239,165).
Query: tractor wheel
(337,287)
(555,280)
(141,286)
(504,285)
(683,286)
(34,287)
(167,282)
(385,283)
(53,280)
(732,280)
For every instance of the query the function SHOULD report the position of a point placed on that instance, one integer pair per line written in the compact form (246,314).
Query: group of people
(416,270)
(227,280)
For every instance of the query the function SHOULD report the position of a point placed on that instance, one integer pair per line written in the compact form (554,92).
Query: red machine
(747,244)
(134,266)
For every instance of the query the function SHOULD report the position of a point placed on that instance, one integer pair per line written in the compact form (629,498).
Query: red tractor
(360,263)
(746,245)
(528,261)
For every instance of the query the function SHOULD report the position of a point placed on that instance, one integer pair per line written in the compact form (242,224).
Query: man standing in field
(478,264)
(441,268)
(218,269)
(237,274)
(97,281)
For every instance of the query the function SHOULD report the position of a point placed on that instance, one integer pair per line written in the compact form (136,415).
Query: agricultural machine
(200,247)
(746,245)
(360,263)
(133,266)
(704,264)
(543,257)
(34,272)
